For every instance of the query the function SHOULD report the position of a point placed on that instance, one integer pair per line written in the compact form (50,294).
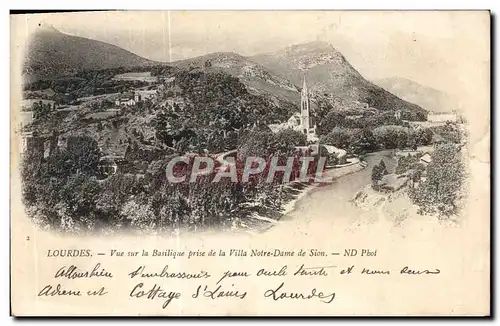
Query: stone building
(129,98)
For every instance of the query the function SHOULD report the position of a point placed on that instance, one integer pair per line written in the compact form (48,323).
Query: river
(330,206)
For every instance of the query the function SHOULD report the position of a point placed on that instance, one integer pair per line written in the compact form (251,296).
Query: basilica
(302,121)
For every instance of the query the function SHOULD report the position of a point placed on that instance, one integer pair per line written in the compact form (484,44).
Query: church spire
(307,123)
(304,108)
(305,97)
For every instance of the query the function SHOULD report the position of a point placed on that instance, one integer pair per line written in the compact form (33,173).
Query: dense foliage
(409,162)
(365,140)
(217,111)
(442,190)
(64,190)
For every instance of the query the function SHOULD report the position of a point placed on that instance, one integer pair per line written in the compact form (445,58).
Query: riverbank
(265,218)
(333,174)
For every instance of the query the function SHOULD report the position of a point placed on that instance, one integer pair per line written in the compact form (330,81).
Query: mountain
(51,53)
(278,76)
(254,76)
(427,97)
(329,74)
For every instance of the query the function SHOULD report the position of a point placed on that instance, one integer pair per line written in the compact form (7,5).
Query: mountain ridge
(51,53)
(425,96)
(279,74)
(256,77)
(329,72)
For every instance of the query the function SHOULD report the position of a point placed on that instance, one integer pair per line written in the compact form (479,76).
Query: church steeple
(304,108)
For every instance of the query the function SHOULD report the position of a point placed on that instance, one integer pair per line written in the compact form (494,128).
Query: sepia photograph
(100,125)
(275,124)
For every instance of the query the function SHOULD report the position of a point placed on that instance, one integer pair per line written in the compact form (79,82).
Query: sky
(443,50)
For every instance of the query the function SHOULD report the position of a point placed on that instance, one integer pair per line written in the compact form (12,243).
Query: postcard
(250,163)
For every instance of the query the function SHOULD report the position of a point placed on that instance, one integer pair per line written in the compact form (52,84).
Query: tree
(412,141)
(59,187)
(416,175)
(331,120)
(254,143)
(287,139)
(140,214)
(331,159)
(441,192)
(40,110)
(84,154)
(376,175)
(341,137)
(365,142)
(80,195)
(424,136)
(181,146)
(383,168)
(378,171)
(116,190)
(161,124)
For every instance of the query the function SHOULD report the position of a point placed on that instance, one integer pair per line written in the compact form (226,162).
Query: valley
(102,124)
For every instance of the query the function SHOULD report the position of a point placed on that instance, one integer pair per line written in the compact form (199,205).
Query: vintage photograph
(243,122)
(250,163)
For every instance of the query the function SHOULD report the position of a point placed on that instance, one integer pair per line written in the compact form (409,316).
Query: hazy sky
(444,50)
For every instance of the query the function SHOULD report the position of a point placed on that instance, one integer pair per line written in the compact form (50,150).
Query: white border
(258,4)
